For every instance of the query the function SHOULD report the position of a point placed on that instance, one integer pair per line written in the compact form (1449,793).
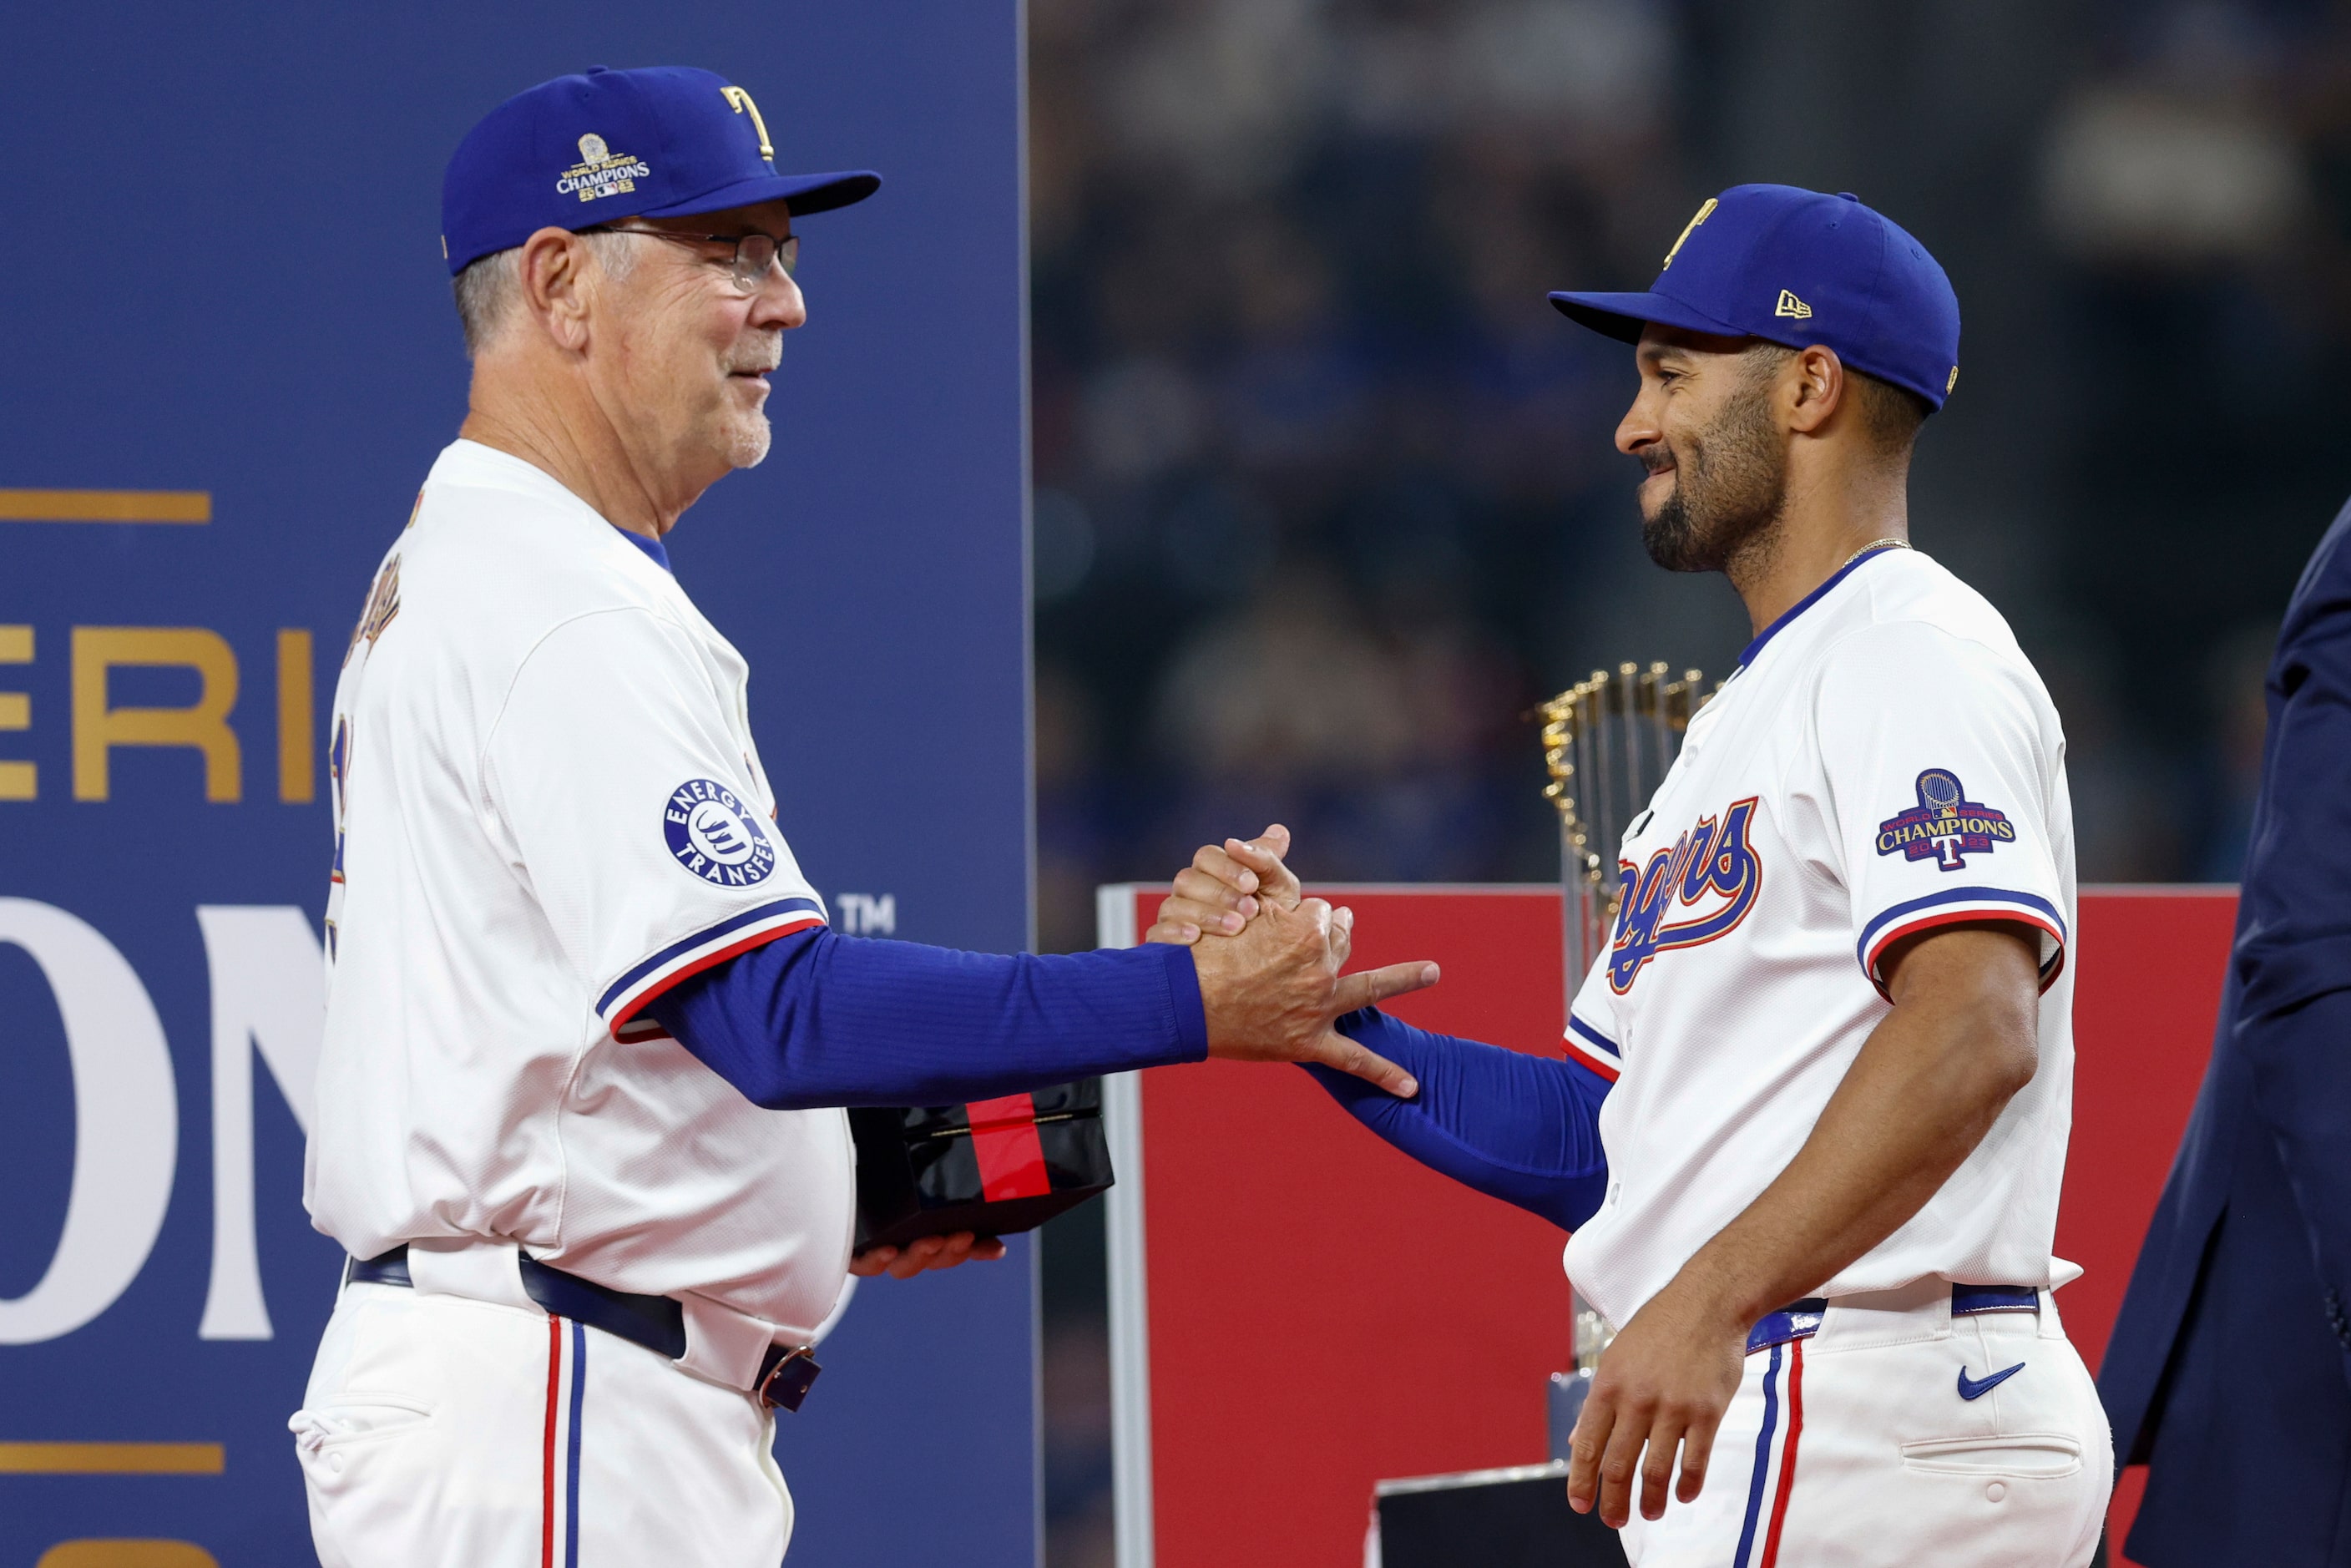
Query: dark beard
(1728,489)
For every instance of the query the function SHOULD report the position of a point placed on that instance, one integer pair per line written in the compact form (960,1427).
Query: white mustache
(764,362)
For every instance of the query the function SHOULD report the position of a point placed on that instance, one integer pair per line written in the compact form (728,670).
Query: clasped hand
(1270,960)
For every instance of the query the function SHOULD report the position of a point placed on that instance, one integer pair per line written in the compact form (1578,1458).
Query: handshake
(1270,962)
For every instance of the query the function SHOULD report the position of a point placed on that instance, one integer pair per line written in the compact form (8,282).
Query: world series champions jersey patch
(1945,826)
(713,834)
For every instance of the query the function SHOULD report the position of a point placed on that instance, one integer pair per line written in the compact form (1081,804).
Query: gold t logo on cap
(1790,306)
(1703,213)
(743,105)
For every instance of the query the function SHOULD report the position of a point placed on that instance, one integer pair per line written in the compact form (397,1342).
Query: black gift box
(992,1167)
(1515,1518)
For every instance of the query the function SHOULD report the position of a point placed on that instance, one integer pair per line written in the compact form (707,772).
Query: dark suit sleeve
(2292,955)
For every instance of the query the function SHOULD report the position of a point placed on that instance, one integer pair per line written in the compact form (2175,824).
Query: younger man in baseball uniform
(586,1034)
(1812,1123)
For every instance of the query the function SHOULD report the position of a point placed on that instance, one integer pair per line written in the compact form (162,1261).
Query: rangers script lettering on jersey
(548,810)
(1884,761)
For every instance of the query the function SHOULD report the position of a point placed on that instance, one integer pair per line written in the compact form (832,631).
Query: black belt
(656,1323)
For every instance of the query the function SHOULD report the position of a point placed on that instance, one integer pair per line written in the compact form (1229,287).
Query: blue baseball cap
(666,142)
(1799,268)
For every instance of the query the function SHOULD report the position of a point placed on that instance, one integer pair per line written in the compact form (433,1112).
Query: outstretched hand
(1271,979)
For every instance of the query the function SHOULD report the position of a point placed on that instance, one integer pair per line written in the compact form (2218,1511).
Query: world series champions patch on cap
(582,151)
(1799,268)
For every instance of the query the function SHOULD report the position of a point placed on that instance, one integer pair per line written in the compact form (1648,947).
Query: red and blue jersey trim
(1587,1047)
(1958,907)
(707,948)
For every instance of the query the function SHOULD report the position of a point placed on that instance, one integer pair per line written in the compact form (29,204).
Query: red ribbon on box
(1011,1158)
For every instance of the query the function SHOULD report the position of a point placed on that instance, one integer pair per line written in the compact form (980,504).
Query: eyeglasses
(755,252)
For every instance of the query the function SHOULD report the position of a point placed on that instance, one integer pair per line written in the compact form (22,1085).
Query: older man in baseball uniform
(587,1033)
(1811,1119)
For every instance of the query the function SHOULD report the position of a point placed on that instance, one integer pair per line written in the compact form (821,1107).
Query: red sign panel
(1316,1312)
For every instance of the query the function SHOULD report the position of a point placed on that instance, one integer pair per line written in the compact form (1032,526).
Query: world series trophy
(1607,742)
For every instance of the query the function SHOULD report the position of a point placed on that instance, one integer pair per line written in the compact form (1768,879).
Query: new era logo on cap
(664,141)
(1799,267)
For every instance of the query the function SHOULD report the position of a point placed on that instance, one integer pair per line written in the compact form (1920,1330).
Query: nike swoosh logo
(1972,1389)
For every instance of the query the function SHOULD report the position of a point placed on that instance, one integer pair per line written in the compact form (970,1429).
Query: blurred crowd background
(1325,493)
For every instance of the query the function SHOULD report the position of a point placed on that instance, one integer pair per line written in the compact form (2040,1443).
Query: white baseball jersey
(1883,761)
(547,809)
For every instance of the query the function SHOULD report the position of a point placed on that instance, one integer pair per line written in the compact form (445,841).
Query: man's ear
(553,269)
(1813,388)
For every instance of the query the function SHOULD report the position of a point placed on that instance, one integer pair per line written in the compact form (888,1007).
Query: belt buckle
(788,1377)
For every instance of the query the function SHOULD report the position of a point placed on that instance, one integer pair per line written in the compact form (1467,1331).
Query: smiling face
(685,370)
(1703,426)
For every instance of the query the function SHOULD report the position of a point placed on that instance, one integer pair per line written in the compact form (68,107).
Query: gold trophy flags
(1607,743)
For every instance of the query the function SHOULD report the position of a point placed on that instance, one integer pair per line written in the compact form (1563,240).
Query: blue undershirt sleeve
(1525,1129)
(816,1019)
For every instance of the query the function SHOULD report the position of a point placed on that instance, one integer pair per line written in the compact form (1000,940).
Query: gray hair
(490,286)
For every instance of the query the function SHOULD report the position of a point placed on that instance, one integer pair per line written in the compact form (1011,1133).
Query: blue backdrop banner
(230,359)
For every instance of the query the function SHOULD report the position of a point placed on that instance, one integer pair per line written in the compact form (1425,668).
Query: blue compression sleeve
(1521,1128)
(816,1019)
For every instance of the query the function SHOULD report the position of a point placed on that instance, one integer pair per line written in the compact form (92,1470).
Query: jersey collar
(1808,601)
(653,548)
(472,462)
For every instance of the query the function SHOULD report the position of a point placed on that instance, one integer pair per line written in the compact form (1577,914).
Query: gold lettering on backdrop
(743,105)
(17,779)
(298,749)
(98,727)
(1703,214)
(127,1554)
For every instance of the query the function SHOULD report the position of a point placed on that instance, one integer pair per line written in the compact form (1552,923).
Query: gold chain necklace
(1874,543)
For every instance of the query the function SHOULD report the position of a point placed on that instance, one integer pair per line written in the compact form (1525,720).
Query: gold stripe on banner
(113,1458)
(106,506)
(298,778)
